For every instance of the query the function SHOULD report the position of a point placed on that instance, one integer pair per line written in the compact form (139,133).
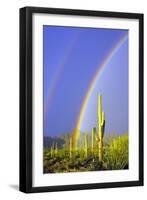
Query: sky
(71,57)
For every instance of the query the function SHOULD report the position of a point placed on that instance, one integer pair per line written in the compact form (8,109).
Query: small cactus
(92,139)
(56,149)
(70,148)
(51,151)
(66,142)
(86,146)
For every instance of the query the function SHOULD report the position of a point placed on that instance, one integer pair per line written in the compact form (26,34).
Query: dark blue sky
(71,58)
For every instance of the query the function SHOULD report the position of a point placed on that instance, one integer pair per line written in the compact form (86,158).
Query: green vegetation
(94,152)
(115,156)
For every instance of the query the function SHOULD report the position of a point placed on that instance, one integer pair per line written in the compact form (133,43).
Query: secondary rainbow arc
(59,71)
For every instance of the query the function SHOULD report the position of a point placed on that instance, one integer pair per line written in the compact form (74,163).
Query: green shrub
(116,155)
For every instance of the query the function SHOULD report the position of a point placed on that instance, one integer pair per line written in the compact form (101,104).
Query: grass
(116,154)
(115,157)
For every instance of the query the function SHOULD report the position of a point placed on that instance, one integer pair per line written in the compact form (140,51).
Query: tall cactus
(101,124)
(92,139)
(86,146)
(70,148)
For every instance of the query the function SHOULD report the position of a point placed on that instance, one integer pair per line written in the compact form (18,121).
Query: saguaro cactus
(101,124)
(51,151)
(92,139)
(70,148)
(86,146)
(66,143)
(56,149)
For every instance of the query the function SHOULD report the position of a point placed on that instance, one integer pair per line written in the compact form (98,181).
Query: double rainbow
(92,86)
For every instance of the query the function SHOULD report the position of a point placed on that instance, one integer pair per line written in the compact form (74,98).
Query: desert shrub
(116,155)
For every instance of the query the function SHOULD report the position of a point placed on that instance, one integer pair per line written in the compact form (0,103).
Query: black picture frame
(26,95)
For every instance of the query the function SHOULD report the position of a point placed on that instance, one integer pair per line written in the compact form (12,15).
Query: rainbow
(59,70)
(92,86)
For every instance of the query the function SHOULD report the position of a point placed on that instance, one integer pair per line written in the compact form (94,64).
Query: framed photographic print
(81,99)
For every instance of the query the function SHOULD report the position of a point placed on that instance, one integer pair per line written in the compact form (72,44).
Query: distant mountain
(64,139)
(49,141)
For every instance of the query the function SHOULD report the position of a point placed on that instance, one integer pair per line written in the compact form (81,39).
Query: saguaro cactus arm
(103,119)
(93,138)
